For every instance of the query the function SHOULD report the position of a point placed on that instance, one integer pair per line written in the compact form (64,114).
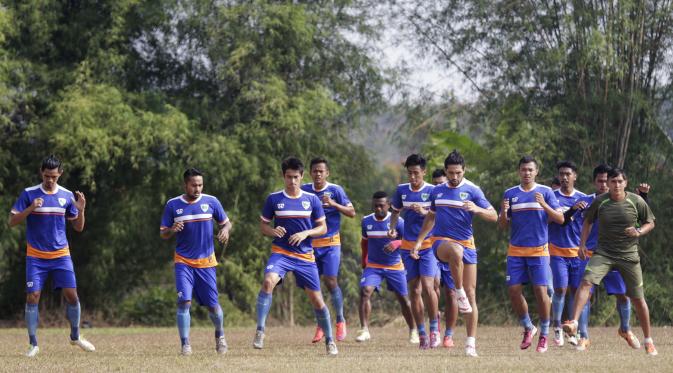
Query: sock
(421,329)
(323,319)
(624,310)
(31,322)
(544,327)
(72,312)
(184,321)
(461,292)
(583,322)
(471,341)
(338,304)
(525,322)
(217,318)
(648,340)
(557,303)
(263,307)
(448,332)
(434,327)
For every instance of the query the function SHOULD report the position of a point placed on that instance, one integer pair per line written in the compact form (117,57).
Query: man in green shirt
(622,218)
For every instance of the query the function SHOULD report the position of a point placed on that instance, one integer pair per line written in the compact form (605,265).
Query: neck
(567,190)
(380,217)
(292,191)
(44,186)
(319,185)
(618,196)
(189,198)
(527,186)
(416,187)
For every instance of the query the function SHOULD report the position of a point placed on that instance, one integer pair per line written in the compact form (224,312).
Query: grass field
(289,349)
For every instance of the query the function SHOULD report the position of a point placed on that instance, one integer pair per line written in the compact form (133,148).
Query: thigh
(576,278)
(306,274)
(445,273)
(633,277)
(411,265)
(279,264)
(36,274)
(517,271)
(328,260)
(205,286)
(371,277)
(538,269)
(560,271)
(469,256)
(62,273)
(614,284)
(427,266)
(396,281)
(184,282)
(597,268)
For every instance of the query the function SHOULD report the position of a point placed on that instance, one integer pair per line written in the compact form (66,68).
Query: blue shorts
(306,273)
(525,269)
(201,282)
(328,259)
(567,271)
(426,265)
(613,283)
(445,273)
(395,279)
(60,269)
(469,255)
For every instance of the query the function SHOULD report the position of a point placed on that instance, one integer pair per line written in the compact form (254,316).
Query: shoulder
(367,217)
(545,189)
(64,190)
(307,187)
(635,198)
(275,195)
(512,190)
(401,187)
(210,198)
(471,186)
(30,189)
(335,187)
(174,200)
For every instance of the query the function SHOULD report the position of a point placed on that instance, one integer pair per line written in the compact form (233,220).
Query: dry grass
(289,349)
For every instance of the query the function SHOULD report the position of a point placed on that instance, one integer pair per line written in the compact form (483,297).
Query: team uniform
(381,265)
(564,240)
(403,198)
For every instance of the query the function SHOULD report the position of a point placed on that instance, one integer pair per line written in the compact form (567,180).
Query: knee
(33,298)
(268,285)
(331,283)
(184,305)
(416,292)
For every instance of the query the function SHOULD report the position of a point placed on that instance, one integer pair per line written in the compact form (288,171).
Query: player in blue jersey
(45,208)
(526,209)
(296,216)
(412,201)
(383,262)
(453,206)
(564,239)
(327,247)
(189,217)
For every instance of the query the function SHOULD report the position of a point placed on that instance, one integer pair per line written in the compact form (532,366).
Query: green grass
(289,349)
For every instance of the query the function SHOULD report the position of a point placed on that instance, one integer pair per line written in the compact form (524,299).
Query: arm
(428,224)
(503,220)
(584,236)
(394,217)
(318,230)
(18,217)
(568,215)
(223,233)
(554,215)
(364,246)
(167,233)
(345,210)
(80,203)
(269,231)
(486,214)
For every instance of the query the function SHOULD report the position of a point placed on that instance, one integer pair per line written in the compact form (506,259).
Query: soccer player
(328,246)
(412,200)
(383,261)
(564,240)
(527,208)
(45,208)
(189,217)
(453,206)
(296,216)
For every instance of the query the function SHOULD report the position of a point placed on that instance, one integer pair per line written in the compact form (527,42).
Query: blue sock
(72,312)
(544,327)
(323,319)
(263,307)
(434,327)
(217,318)
(421,329)
(448,332)
(338,304)
(557,304)
(184,321)
(624,310)
(584,321)
(525,322)
(31,322)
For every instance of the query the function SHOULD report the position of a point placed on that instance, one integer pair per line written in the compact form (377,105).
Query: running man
(328,246)
(527,208)
(453,207)
(296,216)
(413,201)
(383,261)
(189,217)
(45,208)
(623,217)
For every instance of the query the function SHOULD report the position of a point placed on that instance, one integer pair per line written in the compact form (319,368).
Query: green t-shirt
(613,218)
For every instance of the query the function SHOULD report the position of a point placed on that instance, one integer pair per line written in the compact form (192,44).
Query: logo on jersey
(269,266)
(179,294)
(328,194)
(280,206)
(404,196)
(370,226)
(463,195)
(29,284)
(305,204)
(439,195)
(204,207)
(61,201)
(179,211)
(514,199)
(424,196)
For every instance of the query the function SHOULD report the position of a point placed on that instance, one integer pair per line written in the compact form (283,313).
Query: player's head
(527,169)
(454,165)
(617,180)
(50,170)
(193,179)
(555,183)
(319,170)
(293,172)
(438,176)
(567,174)
(415,165)
(601,178)
(380,204)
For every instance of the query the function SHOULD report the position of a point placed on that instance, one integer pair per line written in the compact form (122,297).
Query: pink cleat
(528,335)
(542,344)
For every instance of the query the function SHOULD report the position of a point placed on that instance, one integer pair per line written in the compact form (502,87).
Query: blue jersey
(592,240)
(564,240)
(402,200)
(375,232)
(194,245)
(333,216)
(45,226)
(528,236)
(295,214)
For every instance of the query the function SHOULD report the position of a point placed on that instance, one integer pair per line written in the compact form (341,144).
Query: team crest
(29,284)
(404,196)
(514,199)
(204,207)
(61,201)
(424,196)
(463,195)
(179,211)
(370,226)
(439,195)
(280,206)
(305,204)
(328,194)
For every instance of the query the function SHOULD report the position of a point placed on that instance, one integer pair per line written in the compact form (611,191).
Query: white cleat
(413,336)
(33,351)
(572,340)
(558,337)
(186,350)
(221,345)
(258,342)
(435,339)
(363,335)
(83,344)
(471,351)
(331,349)
(464,304)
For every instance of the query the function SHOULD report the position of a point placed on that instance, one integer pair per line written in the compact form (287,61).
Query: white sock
(461,292)
(470,341)
(648,340)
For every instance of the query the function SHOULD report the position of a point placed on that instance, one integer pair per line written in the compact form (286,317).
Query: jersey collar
(182,198)
(525,191)
(384,219)
(301,193)
(47,192)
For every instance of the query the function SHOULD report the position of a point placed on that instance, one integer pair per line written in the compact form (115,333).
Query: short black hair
(555,181)
(615,172)
(318,160)
(50,163)
(438,173)
(601,169)
(415,160)
(292,163)
(190,173)
(454,158)
(527,159)
(567,164)
(380,194)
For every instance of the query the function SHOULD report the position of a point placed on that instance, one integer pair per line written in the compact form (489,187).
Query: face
(567,177)
(454,174)
(319,173)
(617,185)
(439,180)
(601,183)
(527,172)
(50,178)
(292,179)
(194,187)
(380,207)
(416,175)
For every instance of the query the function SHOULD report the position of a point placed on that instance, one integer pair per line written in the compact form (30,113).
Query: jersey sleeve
(317,213)
(480,200)
(551,200)
(267,210)
(342,198)
(71,210)
(167,218)
(645,214)
(396,202)
(364,229)
(21,203)
(218,213)
(433,197)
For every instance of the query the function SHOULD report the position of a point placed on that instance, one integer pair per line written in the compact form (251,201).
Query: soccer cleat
(341,331)
(33,351)
(542,344)
(448,341)
(435,339)
(186,350)
(471,351)
(423,342)
(528,335)
(363,335)
(331,349)
(650,349)
(582,344)
(570,327)
(221,345)
(464,305)
(558,337)
(83,344)
(318,335)
(258,342)
(413,336)
(630,338)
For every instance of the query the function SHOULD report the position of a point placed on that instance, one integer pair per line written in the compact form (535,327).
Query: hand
(418,209)
(643,188)
(632,232)
(279,231)
(389,248)
(580,205)
(414,253)
(504,206)
(296,238)
(80,201)
(327,201)
(37,202)
(469,206)
(223,236)
(177,226)
(539,198)
(582,253)
(392,233)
